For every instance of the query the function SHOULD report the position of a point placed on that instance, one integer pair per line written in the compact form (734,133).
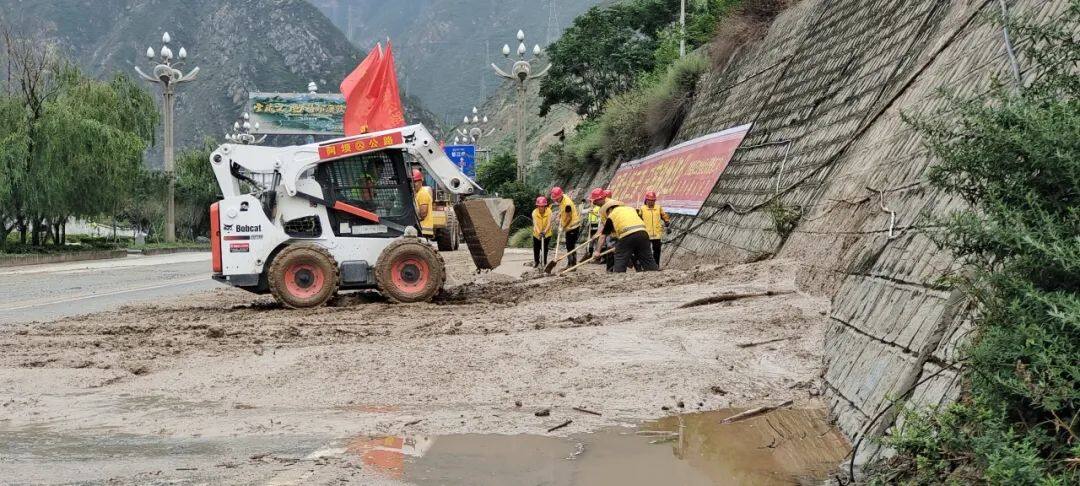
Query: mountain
(445,47)
(239,46)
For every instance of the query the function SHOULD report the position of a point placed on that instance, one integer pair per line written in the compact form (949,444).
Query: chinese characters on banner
(683,175)
(358,145)
(296,113)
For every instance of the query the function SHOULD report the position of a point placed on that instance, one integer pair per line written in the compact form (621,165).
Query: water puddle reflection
(782,447)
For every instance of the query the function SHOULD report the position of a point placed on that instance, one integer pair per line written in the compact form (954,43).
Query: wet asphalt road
(46,292)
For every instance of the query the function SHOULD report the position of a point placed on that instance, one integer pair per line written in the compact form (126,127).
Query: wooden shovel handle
(594,257)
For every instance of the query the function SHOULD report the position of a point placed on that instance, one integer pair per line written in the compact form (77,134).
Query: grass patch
(521,238)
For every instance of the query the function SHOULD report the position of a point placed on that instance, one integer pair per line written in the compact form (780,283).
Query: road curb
(168,251)
(20,260)
(78,256)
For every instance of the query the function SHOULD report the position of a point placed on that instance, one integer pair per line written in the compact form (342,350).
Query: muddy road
(225,386)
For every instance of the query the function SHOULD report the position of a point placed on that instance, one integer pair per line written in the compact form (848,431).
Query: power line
(552,22)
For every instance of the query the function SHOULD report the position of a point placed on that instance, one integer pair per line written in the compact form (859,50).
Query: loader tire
(303,276)
(410,270)
(447,238)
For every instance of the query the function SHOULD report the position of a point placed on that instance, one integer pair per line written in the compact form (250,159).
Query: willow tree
(88,144)
(84,149)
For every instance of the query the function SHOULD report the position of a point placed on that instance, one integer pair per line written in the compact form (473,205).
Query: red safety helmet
(556,193)
(650,196)
(417,175)
(596,194)
(607,192)
(541,201)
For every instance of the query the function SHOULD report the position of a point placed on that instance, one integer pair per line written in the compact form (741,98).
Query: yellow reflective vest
(566,207)
(654,219)
(540,221)
(594,215)
(626,221)
(423,196)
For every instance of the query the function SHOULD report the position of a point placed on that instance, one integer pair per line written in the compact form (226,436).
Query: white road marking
(25,305)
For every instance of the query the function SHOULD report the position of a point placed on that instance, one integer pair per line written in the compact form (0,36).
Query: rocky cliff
(825,89)
(239,46)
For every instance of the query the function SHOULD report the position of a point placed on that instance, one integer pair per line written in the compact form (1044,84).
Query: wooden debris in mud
(583,410)
(759,343)
(557,427)
(754,412)
(716,299)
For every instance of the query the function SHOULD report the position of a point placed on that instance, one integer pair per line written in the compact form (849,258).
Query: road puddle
(782,447)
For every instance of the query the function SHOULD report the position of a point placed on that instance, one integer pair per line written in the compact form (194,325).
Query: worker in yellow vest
(594,226)
(599,197)
(424,201)
(633,246)
(569,222)
(655,219)
(541,230)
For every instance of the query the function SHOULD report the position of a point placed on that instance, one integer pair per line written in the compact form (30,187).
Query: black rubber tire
(443,239)
(313,256)
(447,238)
(455,231)
(400,251)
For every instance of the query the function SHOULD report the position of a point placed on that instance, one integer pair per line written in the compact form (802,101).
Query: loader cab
(375,181)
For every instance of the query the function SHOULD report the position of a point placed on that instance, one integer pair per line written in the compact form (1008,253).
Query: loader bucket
(485,224)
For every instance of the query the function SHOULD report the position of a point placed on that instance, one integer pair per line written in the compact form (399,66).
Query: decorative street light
(471,129)
(242,131)
(521,73)
(167,76)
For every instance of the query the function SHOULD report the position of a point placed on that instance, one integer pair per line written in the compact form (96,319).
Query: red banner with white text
(682,176)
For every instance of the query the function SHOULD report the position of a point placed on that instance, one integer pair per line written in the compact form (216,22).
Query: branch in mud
(754,412)
(759,343)
(716,299)
(557,427)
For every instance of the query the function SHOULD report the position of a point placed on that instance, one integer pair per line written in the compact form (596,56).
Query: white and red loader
(302,222)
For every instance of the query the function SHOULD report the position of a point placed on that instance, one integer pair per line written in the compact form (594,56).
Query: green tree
(88,144)
(196,189)
(496,171)
(1015,159)
(14,144)
(498,176)
(603,52)
(71,143)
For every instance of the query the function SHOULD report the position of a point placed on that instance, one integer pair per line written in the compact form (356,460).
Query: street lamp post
(471,129)
(167,76)
(242,131)
(521,73)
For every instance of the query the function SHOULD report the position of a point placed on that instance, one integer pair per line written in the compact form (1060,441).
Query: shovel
(558,243)
(551,266)
(564,272)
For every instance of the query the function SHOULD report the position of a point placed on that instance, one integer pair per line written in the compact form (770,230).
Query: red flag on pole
(371,95)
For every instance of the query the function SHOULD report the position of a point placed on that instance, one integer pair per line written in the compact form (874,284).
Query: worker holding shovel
(633,246)
(541,230)
(569,222)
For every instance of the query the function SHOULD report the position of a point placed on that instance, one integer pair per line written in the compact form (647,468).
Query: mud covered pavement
(228,385)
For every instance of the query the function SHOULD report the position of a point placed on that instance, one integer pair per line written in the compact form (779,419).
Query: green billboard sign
(296,113)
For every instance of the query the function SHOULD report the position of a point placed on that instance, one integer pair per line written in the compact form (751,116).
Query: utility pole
(167,76)
(682,28)
(522,73)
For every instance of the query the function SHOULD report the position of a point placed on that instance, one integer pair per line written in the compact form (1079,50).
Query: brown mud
(228,367)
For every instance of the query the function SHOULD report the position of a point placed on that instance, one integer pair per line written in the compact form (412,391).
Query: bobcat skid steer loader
(302,222)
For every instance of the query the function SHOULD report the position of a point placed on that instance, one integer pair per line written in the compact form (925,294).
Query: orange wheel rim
(304,280)
(410,274)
